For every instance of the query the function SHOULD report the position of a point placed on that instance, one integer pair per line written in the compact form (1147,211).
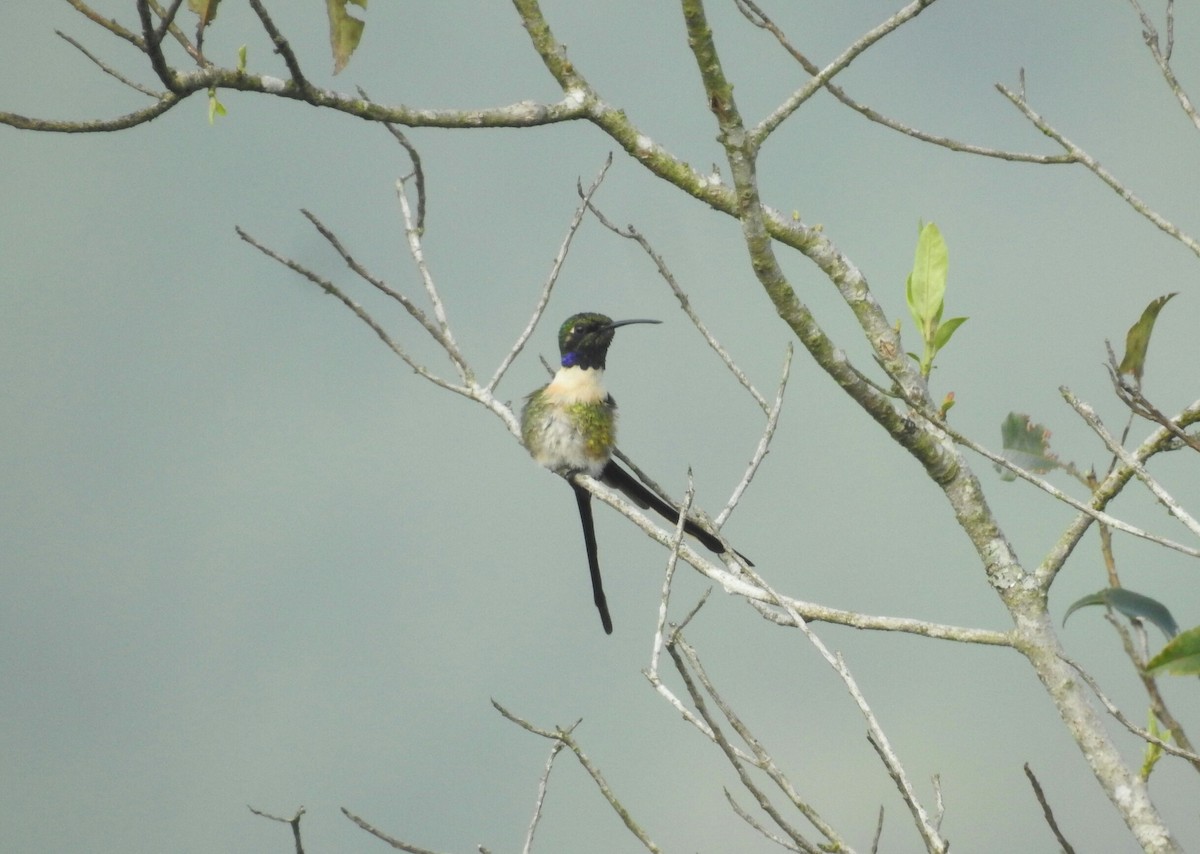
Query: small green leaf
(942,337)
(1026,444)
(1137,340)
(215,107)
(241,65)
(926,286)
(1154,752)
(1181,655)
(947,404)
(345,31)
(1132,605)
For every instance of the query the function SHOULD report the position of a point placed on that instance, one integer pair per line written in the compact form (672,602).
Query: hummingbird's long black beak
(617,323)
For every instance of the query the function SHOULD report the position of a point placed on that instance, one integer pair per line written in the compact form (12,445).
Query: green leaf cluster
(926,292)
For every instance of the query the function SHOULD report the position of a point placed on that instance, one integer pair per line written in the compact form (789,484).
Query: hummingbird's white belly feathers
(573,423)
(564,448)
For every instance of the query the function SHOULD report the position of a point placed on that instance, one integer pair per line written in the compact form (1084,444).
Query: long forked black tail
(639,494)
(584,499)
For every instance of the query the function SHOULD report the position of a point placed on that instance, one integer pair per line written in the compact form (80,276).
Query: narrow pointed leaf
(1132,605)
(345,31)
(1137,340)
(1026,444)
(1090,599)
(1181,655)
(926,288)
(942,337)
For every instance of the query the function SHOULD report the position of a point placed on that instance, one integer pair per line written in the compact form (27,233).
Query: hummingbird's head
(583,339)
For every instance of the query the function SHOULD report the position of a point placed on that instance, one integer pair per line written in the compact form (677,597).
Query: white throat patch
(577,385)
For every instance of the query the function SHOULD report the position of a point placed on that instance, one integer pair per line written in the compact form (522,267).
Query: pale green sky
(249,558)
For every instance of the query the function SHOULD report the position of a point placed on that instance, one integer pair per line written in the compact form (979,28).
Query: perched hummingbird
(570,426)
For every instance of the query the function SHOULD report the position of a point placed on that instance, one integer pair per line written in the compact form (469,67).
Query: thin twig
(925,826)
(1047,812)
(655,680)
(1053,491)
(1099,171)
(414,156)
(1112,709)
(107,69)
(390,840)
(1131,395)
(543,786)
(760,19)
(358,310)
(1163,57)
(764,760)
(753,822)
(1105,491)
(668,576)
(678,650)
(109,24)
(764,443)
(565,737)
(281,45)
(294,822)
(1135,643)
(632,233)
(415,249)
(555,268)
(1093,420)
(383,287)
(759,133)
(878,832)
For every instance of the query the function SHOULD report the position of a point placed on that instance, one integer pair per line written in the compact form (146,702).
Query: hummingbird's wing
(584,499)
(637,492)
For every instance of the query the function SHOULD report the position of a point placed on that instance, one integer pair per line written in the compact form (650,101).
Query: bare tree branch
(293,822)
(679,650)
(1093,420)
(109,24)
(566,737)
(107,69)
(390,840)
(754,823)
(358,310)
(760,132)
(282,47)
(1081,156)
(1130,393)
(1122,719)
(1090,509)
(543,786)
(760,19)
(555,269)
(1163,56)
(152,39)
(631,233)
(764,443)
(1046,811)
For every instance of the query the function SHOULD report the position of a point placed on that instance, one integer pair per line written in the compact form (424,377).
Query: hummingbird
(569,426)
